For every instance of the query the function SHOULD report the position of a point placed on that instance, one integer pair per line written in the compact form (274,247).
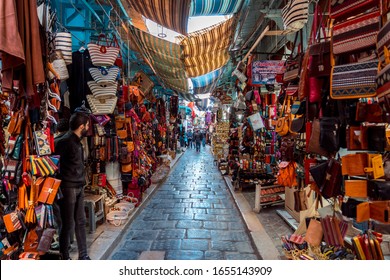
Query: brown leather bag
(376,210)
(354,164)
(16,122)
(314,233)
(356,188)
(357,138)
(314,146)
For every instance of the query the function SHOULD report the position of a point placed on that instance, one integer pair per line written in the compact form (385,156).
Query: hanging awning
(206,83)
(214,7)
(202,104)
(187,96)
(207,50)
(164,57)
(172,14)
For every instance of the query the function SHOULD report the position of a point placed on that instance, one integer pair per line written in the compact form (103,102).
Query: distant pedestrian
(189,138)
(198,140)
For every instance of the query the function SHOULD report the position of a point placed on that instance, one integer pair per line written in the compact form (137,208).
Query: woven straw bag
(102,91)
(102,106)
(63,42)
(103,55)
(103,76)
(295,14)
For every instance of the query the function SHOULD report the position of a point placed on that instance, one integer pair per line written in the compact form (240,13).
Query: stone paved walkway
(190,217)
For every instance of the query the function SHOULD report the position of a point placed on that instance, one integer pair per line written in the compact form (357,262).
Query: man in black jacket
(72,174)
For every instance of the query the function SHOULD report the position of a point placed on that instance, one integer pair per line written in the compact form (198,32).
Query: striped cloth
(214,7)
(207,49)
(164,57)
(187,96)
(207,82)
(172,14)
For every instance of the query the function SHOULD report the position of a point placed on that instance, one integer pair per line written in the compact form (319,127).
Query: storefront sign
(265,71)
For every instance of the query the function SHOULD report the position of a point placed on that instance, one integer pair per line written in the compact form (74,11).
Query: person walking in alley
(72,174)
(189,138)
(198,140)
(204,138)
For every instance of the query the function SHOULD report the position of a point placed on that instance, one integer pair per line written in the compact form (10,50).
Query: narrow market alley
(191,216)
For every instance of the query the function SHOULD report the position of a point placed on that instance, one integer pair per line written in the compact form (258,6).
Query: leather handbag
(376,210)
(355,80)
(379,190)
(16,122)
(330,134)
(298,124)
(12,221)
(356,188)
(333,178)
(314,233)
(315,89)
(369,112)
(295,14)
(287,148)
(300,200)
(103,54)
(357,138)
(314,142)
(282,124)
(348,208)
(294,63)
(356,33)
(376,137)
(308,164)
(342,9)
(354,164)
(49,190)
(46,240)
(320,59)
(143,82)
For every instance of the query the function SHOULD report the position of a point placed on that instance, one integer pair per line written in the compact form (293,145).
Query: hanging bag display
(104,76)
(295,14)
(103,54)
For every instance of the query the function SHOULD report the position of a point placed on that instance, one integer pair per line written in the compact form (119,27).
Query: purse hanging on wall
(295,14)
(294,63)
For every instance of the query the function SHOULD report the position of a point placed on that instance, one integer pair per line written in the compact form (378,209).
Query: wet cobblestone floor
(192,216)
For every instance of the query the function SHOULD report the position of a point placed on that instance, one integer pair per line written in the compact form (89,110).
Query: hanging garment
(79,76)
(27,26)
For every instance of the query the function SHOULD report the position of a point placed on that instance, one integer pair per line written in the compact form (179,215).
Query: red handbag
(315,89)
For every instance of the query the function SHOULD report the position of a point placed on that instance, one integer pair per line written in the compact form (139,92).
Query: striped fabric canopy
(214,7)
(172,14)
(206,83)
(187,96)
(164,57)
(207,49)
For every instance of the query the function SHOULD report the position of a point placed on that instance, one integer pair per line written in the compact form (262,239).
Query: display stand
(268,196)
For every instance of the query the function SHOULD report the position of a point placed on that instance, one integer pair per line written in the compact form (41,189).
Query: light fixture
(161,34)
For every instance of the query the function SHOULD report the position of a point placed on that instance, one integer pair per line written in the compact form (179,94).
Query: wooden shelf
(272,194)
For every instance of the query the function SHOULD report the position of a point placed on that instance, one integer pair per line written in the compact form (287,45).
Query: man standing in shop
(198,140)
(72,174)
